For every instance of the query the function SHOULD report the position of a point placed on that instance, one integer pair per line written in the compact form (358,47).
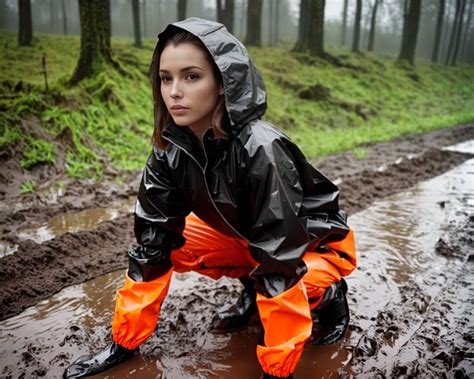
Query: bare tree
(356,37)
(372,25)
(136,23)
(145,29)
(303,27)
(181,9)
(25,27)
(459,33)
(63,8)
(311,28)
(453,32)
(254,23)
(467,32)
(439,29)
(344,23)
(95,51)
(410,32)
(225,13)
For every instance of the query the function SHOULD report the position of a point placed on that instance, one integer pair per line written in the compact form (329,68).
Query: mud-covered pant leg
(206,251)
(286,318)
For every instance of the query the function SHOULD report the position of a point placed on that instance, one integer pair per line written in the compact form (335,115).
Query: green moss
(107,119)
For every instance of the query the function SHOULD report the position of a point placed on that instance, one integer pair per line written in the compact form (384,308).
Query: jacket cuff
(146,264)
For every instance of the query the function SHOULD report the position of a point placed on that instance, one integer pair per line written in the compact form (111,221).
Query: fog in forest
(279,22)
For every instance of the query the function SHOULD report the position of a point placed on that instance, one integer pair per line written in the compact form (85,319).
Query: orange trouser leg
(286,318)
(137,306)
(211,253)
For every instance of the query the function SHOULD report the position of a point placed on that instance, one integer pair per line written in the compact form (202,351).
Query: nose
(176,91)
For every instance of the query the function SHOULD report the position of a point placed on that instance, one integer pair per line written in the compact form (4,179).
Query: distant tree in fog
(356,37)
(25,27)
(410,30)
(439,29)
(225,13)
(136,23)
(311,28)
(181,9)
(95,39)
(467,32)
(63,9)
(456,33)
(373,19)
(344,23)
(254,23)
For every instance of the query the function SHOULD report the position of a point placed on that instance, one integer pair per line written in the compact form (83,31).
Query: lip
(178,109)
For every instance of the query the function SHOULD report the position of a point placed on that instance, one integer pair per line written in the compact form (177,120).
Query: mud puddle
(411,305)
(74,222)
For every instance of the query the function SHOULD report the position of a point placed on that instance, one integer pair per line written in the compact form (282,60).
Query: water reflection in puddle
(75,222)
(395,242)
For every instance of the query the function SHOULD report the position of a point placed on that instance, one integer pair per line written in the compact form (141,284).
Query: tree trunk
(408,48)
(317,27)
(270,22)
(181,10)
(344,24)
(439,29)
(94,16)
(63,9)
(25,27)
(358,16)
(372,26)
(144,12)
(225,13)
(136,23)
(453,32)
(467,32)
(458,36)
(254,23)
(303,27)
(276,34)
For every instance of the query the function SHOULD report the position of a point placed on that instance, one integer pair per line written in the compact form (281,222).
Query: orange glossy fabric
(137,306)
(285,318)
(287,322)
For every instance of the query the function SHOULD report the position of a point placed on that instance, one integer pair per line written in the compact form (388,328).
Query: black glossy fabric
(255,184)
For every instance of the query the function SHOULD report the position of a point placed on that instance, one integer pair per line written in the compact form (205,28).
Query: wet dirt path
(411,302)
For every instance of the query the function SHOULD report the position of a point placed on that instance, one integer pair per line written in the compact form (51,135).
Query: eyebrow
(184,69)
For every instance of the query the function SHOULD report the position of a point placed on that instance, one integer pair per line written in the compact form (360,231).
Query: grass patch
(107,120)
(28,187)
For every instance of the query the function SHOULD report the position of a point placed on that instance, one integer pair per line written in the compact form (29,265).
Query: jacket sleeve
(160,213)
(293,211)
(286,195)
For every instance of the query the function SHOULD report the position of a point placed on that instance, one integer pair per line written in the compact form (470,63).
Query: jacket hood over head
(244,90)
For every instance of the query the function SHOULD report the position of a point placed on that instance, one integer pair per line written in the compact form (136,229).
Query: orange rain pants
(286,318)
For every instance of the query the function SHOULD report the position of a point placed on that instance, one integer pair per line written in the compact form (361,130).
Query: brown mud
(416,315)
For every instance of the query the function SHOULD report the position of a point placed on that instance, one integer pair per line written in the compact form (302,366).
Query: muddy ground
(388,169)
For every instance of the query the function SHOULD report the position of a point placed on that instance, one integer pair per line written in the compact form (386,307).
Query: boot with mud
(240,313)
(331,316)
(88,365)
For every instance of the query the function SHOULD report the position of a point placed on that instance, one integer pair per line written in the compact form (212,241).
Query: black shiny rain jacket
(255,184)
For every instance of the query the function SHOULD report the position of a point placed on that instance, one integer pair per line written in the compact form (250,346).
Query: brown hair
(161,116)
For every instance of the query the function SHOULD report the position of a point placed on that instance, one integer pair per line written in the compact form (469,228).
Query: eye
(165,79)
(192,76)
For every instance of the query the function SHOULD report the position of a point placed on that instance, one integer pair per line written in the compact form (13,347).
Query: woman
(260,211)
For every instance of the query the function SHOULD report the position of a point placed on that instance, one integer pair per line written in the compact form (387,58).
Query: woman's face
(188,86)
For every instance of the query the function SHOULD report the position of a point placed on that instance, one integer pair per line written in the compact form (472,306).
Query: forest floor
(38,260)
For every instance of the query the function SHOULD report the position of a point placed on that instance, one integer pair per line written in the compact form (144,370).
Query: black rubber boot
(240,313)
(88,365)
(331,316)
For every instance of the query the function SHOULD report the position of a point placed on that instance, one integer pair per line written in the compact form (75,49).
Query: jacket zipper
(207,187)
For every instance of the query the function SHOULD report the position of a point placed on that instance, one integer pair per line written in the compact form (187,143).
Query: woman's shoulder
(259,134)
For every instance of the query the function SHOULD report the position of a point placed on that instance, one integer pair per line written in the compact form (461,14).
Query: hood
(244,90)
